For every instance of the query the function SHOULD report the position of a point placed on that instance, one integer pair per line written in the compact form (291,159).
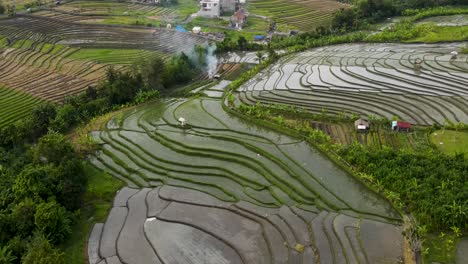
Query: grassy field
(114,56)
(21,4)
(296,14)
(451,142)
(15,105)
(443,33)
(186,7)
(97,203)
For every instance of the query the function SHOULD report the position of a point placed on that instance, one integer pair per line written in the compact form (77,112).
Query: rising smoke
(211,60)
(204,58)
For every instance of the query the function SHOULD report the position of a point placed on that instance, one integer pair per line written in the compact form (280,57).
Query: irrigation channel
(223,190)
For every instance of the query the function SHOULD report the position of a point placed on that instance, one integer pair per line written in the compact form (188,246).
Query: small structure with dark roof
(239,19)
(401,126)
(362,124)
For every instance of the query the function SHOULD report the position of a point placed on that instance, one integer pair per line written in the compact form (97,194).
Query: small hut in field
(401,126)
(362,125)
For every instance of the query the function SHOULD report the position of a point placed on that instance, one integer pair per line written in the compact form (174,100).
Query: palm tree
(5,255)
(260,56)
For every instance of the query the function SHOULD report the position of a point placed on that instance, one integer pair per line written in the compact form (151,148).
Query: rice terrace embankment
(256,196)
(377,79)
(232,131)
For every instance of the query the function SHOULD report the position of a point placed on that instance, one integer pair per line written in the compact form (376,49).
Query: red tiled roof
(403,124)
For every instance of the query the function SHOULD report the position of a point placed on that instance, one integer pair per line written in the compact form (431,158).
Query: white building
(215,8)
(210,8)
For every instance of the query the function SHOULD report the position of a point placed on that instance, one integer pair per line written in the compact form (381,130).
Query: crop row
(368,79)
(224,157)
(14,105)
(96,36)
(345,133)
(305,15)
(112,7)
(48,74)
(165,224)
(33,61)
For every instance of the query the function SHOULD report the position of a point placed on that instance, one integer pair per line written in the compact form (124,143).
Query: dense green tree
(242,43)
(18,247)
(41,251)
(431,185)
(121,87)
(151,72)
(53,148)
(53,221)
(66,117)
(6,231)
(70,183)
(33,182)
(17,133)
(178,70)
(2,9)
(23,216)
(42,115)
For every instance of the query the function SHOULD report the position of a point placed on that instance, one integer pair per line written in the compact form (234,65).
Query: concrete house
(215,8)
(209,8)
(362,124)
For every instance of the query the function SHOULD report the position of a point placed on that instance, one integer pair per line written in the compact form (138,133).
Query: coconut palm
(260,56)
(5,255)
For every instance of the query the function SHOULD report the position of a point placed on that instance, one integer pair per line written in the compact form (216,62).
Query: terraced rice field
(51,59)
(54,31)
(177,225)
(232,192)
(369,79)
(304,15)
(47,72)
(20,4)
(91,8)
(14,105)
(109,12)
(345,133)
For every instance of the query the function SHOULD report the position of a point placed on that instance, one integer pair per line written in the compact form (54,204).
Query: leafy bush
(419,14)
(41,251)
(364,12)
(431,185)
(464,50)
(403,30)
(53,221)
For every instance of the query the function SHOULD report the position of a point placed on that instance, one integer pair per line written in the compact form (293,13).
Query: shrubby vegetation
(403,30)
(42,178)
(315,39)
(423,181)
(40,195)
(2,9)
(465,50)
(418,14)
(364,12)
(242,44)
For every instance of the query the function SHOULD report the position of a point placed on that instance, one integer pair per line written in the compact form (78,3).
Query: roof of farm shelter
(361,122)
(403,124)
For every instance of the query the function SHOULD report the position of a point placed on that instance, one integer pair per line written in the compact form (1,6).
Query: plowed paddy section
(113,8)
(102,36)
(178,225)
(422,84)
(46,81)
